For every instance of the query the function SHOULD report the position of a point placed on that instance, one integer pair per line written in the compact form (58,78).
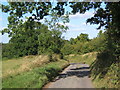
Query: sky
(77,25)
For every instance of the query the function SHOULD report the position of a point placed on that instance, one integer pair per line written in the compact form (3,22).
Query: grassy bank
(85,58)
(104,70)
(37,72)
(16,66)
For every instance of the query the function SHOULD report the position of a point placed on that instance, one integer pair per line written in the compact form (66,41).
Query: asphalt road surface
(74,76)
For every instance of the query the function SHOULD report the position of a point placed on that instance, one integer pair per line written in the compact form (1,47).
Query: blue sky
(76,25)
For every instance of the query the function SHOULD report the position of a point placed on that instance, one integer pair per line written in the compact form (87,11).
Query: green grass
(36,77)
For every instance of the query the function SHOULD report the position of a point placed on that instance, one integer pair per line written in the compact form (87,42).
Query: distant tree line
(34,38)
(82,44)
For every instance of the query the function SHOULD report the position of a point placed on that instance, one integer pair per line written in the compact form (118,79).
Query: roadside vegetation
(87,58)
(37,51)
(31,71)
(103,74)
(16,66)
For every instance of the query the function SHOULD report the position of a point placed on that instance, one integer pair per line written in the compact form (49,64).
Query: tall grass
(85,58)
(16,66)
(31,71)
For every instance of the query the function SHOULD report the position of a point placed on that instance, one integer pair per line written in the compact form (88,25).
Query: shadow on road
(79,72)
(80,68)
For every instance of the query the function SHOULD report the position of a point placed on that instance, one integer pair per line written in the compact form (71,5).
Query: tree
(108,17)
(72,41)
(37,10)
(53,38)
(24,40)
(83,37)
(32,37)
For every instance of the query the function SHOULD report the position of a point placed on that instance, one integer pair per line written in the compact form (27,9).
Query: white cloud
(85,15)
(84,24)
(73,27)
(77,29)
(70,25)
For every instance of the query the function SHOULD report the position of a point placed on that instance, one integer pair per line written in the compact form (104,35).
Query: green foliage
(87,58)
(108,17)
(31,37)
(49,43)
(67,49)
(82,44)
(24,40)
(105,70)
(7,51)
(50,57)
(54,22)
(18,9)
(53,57)
(82,37)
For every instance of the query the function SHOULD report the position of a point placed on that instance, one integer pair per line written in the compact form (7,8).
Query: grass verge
(87,58)
(35,78)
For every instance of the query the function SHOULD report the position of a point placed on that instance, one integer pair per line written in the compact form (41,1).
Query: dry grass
(89,54)
(72,55)
(85,58)
(13,67)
